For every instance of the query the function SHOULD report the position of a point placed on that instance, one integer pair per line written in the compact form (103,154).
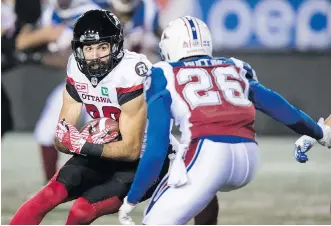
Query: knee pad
(108,206)
(52,194)
(82,212)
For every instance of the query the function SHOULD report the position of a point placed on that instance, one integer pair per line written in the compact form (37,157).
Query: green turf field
(283,192)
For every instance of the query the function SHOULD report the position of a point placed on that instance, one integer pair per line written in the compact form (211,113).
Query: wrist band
(90,149)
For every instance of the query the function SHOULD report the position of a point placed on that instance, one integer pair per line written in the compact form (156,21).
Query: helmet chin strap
(97,74)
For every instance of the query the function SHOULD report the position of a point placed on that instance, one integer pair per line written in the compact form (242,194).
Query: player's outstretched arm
(281,110)
(277,107)
(305,143)
(132,125)
(70,111)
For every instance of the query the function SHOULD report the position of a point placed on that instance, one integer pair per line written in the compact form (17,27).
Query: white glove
(326,140)
(123,213)
(302,145)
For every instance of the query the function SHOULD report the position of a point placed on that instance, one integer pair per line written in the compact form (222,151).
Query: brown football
(103,123)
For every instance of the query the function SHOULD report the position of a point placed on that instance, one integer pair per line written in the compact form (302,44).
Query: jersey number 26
(202,92)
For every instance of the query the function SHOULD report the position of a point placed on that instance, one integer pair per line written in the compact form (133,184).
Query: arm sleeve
(151,163)
(277,107)
(159,104)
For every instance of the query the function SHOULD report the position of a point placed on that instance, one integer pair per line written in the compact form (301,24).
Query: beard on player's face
(98,65)
(97,57)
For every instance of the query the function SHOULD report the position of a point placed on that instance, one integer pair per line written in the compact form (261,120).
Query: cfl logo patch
(141,69)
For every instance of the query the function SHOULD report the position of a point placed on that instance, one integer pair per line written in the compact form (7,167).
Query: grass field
(283,192)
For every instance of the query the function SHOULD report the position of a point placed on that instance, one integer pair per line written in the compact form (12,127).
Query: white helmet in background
(124,6)
(185,37)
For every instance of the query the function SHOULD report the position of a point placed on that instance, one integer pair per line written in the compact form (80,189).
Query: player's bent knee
(108,206)
(33,211)
(52,194)
(82,212)
(47,198)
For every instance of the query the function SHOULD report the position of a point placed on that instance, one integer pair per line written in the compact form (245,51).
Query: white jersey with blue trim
(146,15)
(210,94)
(68,17)
(139,30)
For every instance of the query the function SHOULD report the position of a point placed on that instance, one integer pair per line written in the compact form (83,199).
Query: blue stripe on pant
(163,187)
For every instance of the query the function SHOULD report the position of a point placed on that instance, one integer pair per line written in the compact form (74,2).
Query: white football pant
(211,167)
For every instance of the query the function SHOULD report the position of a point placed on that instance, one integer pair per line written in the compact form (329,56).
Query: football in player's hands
(101,131)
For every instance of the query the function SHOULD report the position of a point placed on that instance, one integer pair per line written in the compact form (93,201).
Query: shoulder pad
(155,83)
(249,71)
(132,70)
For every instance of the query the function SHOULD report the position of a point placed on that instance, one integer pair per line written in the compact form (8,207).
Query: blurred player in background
(59,18)
(8,19)
(141,25)
(213,100)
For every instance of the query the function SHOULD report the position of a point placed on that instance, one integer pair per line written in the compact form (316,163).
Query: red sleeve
(70,81)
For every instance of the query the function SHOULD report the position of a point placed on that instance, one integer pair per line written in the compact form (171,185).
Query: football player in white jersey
(108,80)
(139,18)
(213,100)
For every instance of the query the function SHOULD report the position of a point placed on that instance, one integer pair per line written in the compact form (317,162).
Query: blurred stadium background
(287,42)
